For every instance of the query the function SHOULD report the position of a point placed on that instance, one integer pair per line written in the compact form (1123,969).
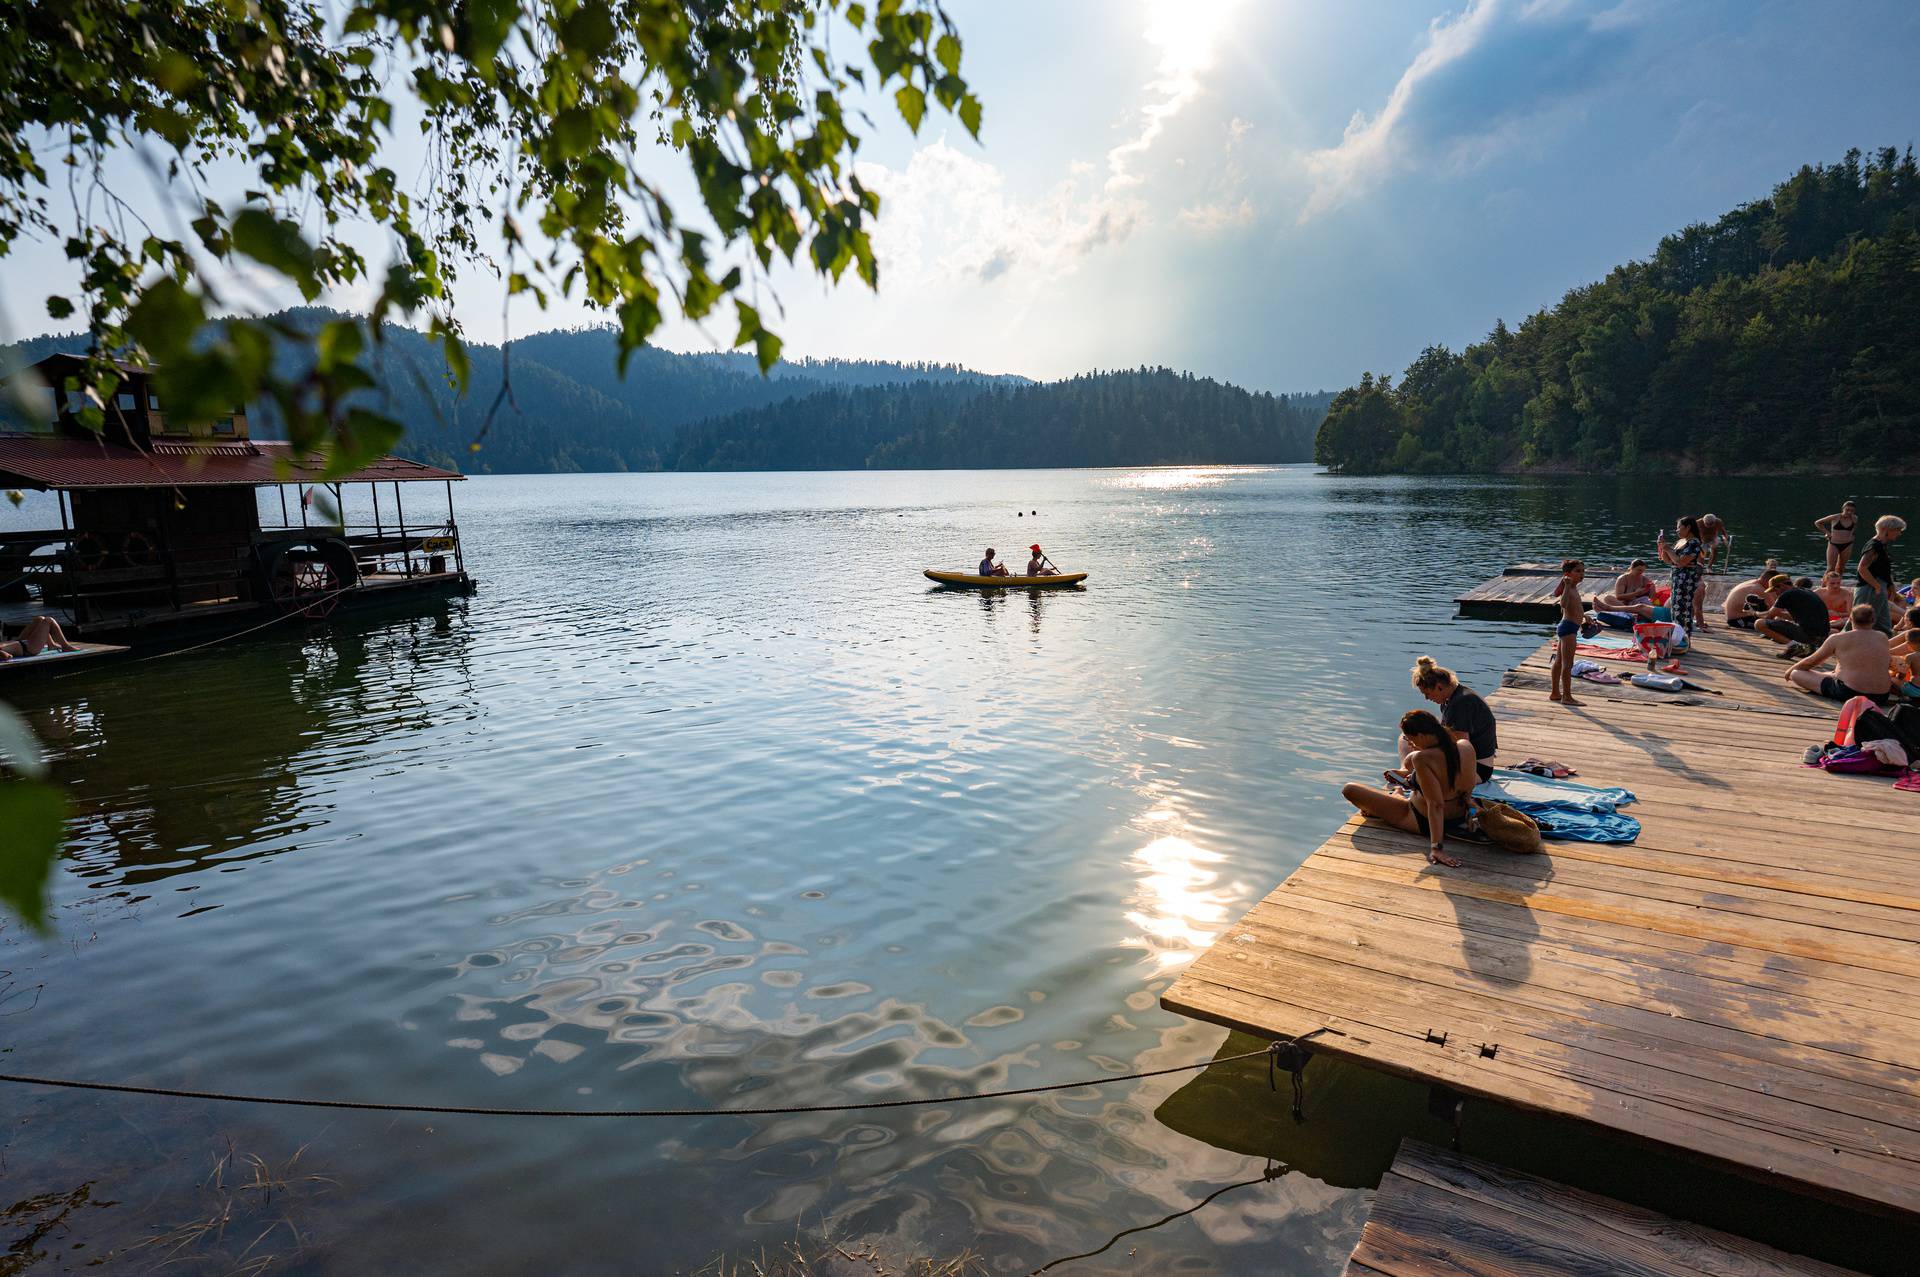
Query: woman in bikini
(1838,529)
(41,633)
(1439,772)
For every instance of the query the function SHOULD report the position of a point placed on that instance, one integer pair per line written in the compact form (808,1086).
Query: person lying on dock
(1749,599)
(1632,592)
(1440,771)
(989,568)
(1797,618)
(39,634)
(1566,633)
(1038,565)
(1862,658)
(1462,712)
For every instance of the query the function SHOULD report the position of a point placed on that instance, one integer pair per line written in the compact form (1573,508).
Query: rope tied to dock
(1271,1051)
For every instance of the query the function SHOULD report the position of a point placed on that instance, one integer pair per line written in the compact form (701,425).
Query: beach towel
(1659,682)
(1522,790)
(1610,647)
(1565,810)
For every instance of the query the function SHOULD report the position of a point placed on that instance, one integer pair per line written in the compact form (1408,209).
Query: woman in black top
(1875,571)
(1462,712)
(1838,529)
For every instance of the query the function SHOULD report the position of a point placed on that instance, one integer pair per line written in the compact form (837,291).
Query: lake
(707,800)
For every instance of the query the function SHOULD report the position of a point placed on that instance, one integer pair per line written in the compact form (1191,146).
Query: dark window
(224,426)
(125,400)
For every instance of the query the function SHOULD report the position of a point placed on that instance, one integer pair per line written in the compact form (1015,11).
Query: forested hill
(571,409)
(1150,416)
(1785,336)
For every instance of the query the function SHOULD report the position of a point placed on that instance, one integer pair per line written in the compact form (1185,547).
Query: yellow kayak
(974,581)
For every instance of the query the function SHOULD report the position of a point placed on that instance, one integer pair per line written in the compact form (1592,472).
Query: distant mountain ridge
(571,409)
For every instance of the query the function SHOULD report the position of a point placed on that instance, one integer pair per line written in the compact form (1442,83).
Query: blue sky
(1284,193)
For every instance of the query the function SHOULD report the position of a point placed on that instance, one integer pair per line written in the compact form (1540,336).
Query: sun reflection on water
(1175,478)
(1176,904)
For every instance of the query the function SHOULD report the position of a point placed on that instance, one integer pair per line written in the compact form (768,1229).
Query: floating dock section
(1741,985)
(1524,592)
(1438,1214)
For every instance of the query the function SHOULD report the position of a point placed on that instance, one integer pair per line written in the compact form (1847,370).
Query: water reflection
(173,766)
(1176,905)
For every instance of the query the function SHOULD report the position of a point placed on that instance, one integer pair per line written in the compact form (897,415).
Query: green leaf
(33,818)
(165,317)
(970,114)
(278,244)
(912,103)
(59,307)
(948,51)
(18,748)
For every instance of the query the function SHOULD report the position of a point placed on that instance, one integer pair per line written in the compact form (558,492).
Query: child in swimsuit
(1566,634)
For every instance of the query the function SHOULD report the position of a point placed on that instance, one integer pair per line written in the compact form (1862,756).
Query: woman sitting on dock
(41,633)
(1463,713)
(1440,772)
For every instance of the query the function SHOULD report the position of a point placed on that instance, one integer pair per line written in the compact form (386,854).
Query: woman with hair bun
(1463,713)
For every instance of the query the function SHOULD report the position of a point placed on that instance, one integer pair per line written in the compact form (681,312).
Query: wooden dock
(1742,984)
(1438,1214)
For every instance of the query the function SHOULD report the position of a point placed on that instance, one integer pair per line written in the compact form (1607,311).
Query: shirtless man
(1631,592)
(1861,658)
(1834,593)
(39,634)
(1765,588)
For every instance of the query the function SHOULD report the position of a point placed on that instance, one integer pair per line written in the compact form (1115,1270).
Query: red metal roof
(54,461)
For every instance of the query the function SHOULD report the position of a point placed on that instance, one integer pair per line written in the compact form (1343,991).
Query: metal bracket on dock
(1449,1106)
(1488,1050)
(1438,1039)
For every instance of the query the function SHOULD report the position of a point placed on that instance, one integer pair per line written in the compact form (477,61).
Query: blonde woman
(1462,712)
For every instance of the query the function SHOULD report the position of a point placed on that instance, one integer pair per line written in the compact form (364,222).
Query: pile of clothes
(1871,740)
(1563,809)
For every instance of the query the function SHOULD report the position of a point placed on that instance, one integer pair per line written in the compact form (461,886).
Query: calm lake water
(706,800)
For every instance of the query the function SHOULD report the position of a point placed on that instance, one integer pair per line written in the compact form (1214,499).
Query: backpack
(1509,829)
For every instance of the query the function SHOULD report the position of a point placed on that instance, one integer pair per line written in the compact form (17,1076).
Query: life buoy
(138,550)
(89,551)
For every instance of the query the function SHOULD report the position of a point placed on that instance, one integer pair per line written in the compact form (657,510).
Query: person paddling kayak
(989,568)
(1038,564)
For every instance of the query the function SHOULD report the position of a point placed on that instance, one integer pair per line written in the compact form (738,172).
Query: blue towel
(1524,789)
(1564,809)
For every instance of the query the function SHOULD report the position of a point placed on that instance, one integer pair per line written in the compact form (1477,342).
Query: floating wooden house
(169,526)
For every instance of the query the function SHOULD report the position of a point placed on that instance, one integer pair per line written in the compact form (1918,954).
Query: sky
(1286,193)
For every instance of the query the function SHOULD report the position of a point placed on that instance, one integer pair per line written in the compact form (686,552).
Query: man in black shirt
(1797,618)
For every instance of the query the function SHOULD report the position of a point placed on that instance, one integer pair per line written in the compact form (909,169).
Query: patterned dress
(1686,581)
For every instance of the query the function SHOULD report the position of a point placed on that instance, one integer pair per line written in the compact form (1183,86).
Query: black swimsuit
(1835,527)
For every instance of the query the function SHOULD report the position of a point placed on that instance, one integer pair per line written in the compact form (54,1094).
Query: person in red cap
(1038,565)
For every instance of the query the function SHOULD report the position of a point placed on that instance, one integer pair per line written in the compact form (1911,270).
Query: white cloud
(950,217)
(1487,80)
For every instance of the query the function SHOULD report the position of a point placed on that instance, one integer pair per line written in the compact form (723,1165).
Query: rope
(470,1110)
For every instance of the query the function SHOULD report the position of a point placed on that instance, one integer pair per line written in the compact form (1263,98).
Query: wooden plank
(1443,1213)
(1740,984)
